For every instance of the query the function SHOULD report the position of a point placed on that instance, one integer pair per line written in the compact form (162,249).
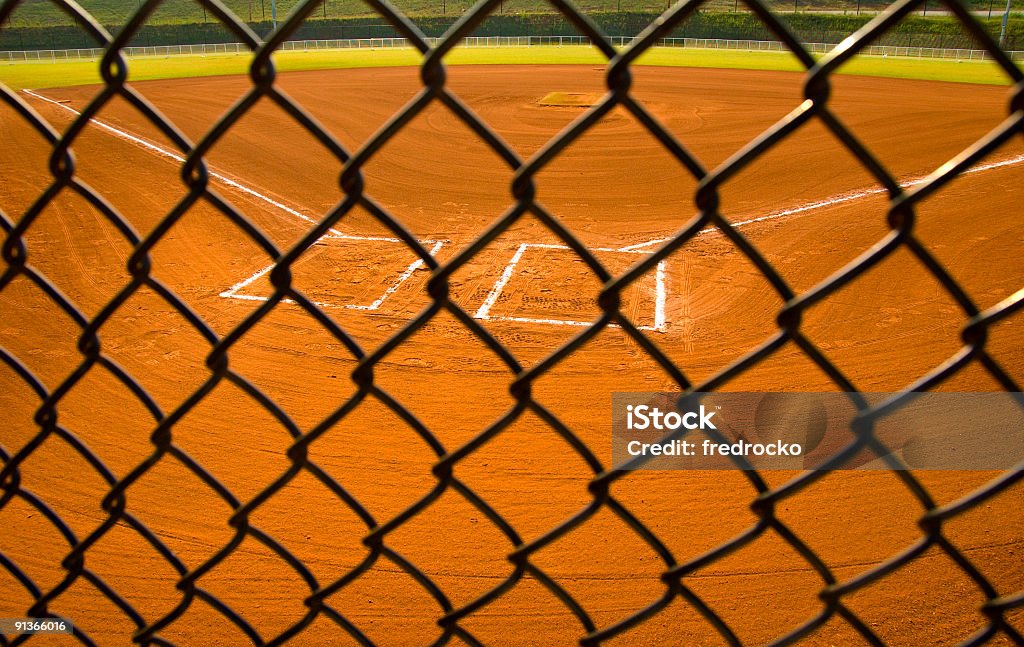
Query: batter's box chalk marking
(235,291)
(484,312)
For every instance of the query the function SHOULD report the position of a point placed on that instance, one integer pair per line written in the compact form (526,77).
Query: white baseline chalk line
(233,291)
(829,202)
(220,177)
(484,312)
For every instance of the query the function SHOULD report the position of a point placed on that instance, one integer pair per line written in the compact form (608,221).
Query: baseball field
(203,524)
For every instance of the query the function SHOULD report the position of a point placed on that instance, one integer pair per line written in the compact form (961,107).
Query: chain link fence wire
(195,176)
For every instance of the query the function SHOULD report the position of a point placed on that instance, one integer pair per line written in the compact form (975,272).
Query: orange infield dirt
(614,187)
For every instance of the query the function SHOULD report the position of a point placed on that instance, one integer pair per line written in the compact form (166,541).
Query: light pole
(273,13)
(1002,31)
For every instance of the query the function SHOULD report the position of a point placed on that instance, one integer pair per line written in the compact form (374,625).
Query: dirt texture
(615,186)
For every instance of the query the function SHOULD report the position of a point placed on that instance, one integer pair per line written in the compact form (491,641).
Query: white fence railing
(54,55)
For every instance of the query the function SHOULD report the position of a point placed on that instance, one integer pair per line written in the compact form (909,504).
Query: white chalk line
(529,319)
(660,297)
(499,285)
(232,292)
(484,312)
(592,249)
(220,177)
(415,265)
(829,202)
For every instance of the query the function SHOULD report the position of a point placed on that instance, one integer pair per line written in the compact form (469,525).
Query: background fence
(828,26)
(998,610)
(95,53)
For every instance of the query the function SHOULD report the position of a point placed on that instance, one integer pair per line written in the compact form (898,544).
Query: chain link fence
(997,607)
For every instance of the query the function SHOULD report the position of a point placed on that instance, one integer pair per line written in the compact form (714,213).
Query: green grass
(979,72)
(48,75)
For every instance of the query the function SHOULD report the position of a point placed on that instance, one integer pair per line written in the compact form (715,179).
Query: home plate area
(550,284)
(533,283)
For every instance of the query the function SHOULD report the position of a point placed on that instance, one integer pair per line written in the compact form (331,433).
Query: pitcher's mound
(570,99)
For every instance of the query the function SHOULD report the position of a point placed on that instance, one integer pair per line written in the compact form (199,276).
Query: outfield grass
(66,73)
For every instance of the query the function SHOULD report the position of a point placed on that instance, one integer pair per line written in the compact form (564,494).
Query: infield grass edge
(42,74)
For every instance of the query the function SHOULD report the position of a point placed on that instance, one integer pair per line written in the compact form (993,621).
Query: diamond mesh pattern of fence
(451,618)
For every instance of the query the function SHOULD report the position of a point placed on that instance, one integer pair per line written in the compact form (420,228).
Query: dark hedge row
(915,31)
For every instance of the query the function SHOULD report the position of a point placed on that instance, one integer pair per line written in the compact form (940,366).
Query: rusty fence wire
(195,176)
